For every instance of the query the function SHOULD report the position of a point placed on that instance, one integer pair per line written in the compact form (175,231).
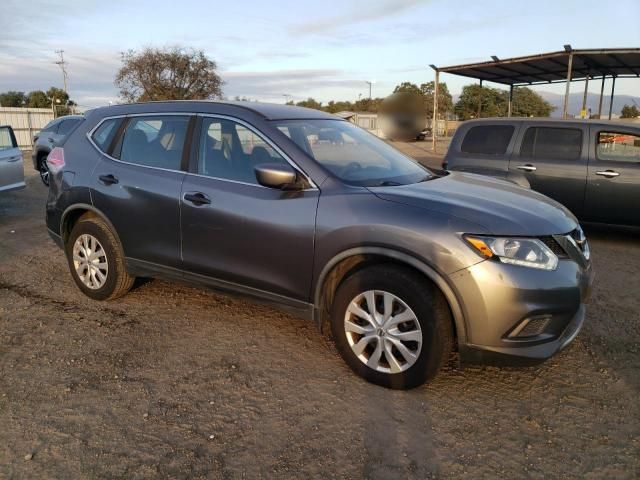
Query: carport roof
(553,67)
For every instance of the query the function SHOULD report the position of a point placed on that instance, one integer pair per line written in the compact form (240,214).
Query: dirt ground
(174,381)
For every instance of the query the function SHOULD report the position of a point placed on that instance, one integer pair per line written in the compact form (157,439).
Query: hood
(501,207)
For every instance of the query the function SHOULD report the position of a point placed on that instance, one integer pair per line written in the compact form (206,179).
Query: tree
(407,87)
(526,103)
(445,100)
(174,73)
(38,99)
(630,111)
(310,103)
(495,103)
(12,99)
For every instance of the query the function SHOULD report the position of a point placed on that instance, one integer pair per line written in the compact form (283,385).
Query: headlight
(527,252)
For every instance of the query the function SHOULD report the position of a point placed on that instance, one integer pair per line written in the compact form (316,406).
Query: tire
(415,298)
(43,170)
(117,281)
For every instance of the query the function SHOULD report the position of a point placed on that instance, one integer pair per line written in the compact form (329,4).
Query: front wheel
(95,260)
(391,326)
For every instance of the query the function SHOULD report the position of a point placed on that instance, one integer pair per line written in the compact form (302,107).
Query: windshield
(353,154)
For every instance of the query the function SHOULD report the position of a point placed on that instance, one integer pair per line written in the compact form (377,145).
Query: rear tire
(408,338)
(43,169)
(96,261)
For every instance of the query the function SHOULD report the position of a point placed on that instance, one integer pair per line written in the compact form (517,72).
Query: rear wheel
(95,260)
(43,169)
(391,326)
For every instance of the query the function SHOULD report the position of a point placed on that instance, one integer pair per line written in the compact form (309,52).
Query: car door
(137,186)
(11,163)
(554,159)
(613,180)
(234,229)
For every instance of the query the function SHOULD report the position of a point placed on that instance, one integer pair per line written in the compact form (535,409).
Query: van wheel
(391,326)
(95,260)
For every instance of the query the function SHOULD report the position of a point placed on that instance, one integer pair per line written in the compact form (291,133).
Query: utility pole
(369,83)
(62,65)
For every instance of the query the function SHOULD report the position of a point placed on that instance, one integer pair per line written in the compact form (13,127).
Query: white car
(11,164)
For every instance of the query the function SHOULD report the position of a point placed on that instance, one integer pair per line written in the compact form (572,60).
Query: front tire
(391,326)
(95,260)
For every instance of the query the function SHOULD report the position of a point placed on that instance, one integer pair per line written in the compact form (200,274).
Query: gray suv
(592,167)
(303,210)
(53,134)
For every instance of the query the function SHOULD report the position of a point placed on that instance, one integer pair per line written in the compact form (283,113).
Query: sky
(323,49)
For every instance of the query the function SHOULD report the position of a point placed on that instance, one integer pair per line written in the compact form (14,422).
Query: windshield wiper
(388,183)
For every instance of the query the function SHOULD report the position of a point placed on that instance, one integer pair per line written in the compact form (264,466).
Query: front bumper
(518,315)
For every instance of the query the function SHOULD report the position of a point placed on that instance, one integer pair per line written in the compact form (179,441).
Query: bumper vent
(531,327)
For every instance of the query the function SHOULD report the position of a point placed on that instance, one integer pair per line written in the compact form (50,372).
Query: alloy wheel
(44,172)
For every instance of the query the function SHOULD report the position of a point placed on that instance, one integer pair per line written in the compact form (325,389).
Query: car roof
(504,120)
(268,111)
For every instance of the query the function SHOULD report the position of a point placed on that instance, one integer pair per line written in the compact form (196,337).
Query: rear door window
(621,147)
(487,139)
(155,141)
(67,125)
(7,140)
(551,143)
(104,134)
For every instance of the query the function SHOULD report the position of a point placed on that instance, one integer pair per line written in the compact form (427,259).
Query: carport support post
(566,92)
(613,88)
(601,95)
(434,123)
(480,99)
(584,98)
(510,100)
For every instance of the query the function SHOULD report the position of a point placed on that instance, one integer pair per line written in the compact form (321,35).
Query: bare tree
(174,73)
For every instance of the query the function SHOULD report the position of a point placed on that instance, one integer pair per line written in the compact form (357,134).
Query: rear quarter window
(487,139)
(105,132)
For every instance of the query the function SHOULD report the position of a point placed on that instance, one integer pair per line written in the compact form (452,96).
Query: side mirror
(275,175)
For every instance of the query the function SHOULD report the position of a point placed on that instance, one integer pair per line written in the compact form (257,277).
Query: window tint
(618,147)
(487,139)
(105,132)
(552,143)
(231,151)
(6,139)
(155,141)
(67,125)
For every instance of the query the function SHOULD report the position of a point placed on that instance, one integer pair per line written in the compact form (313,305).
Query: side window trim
(193,164)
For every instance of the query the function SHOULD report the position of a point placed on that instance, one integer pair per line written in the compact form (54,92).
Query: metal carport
(567,65)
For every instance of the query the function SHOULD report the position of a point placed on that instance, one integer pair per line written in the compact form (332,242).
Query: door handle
(527,168)
(108,179)
(608,173)
(197,198)
(14,159)
(50,140)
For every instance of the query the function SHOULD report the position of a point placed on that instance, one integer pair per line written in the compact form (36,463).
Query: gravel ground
(174,381)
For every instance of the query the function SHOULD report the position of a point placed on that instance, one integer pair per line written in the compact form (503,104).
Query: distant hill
(575,102)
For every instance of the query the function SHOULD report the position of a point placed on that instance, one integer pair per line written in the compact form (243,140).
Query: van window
(155,141)
(551,143)
(487,139)
(618,147)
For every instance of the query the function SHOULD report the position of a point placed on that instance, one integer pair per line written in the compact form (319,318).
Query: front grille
(554,246)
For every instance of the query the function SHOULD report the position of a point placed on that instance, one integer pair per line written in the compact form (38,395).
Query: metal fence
(26,122)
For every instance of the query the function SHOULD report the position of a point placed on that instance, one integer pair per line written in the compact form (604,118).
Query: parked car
(402,265)
(52,135)
(11,163)
(423,134)
(590,166)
